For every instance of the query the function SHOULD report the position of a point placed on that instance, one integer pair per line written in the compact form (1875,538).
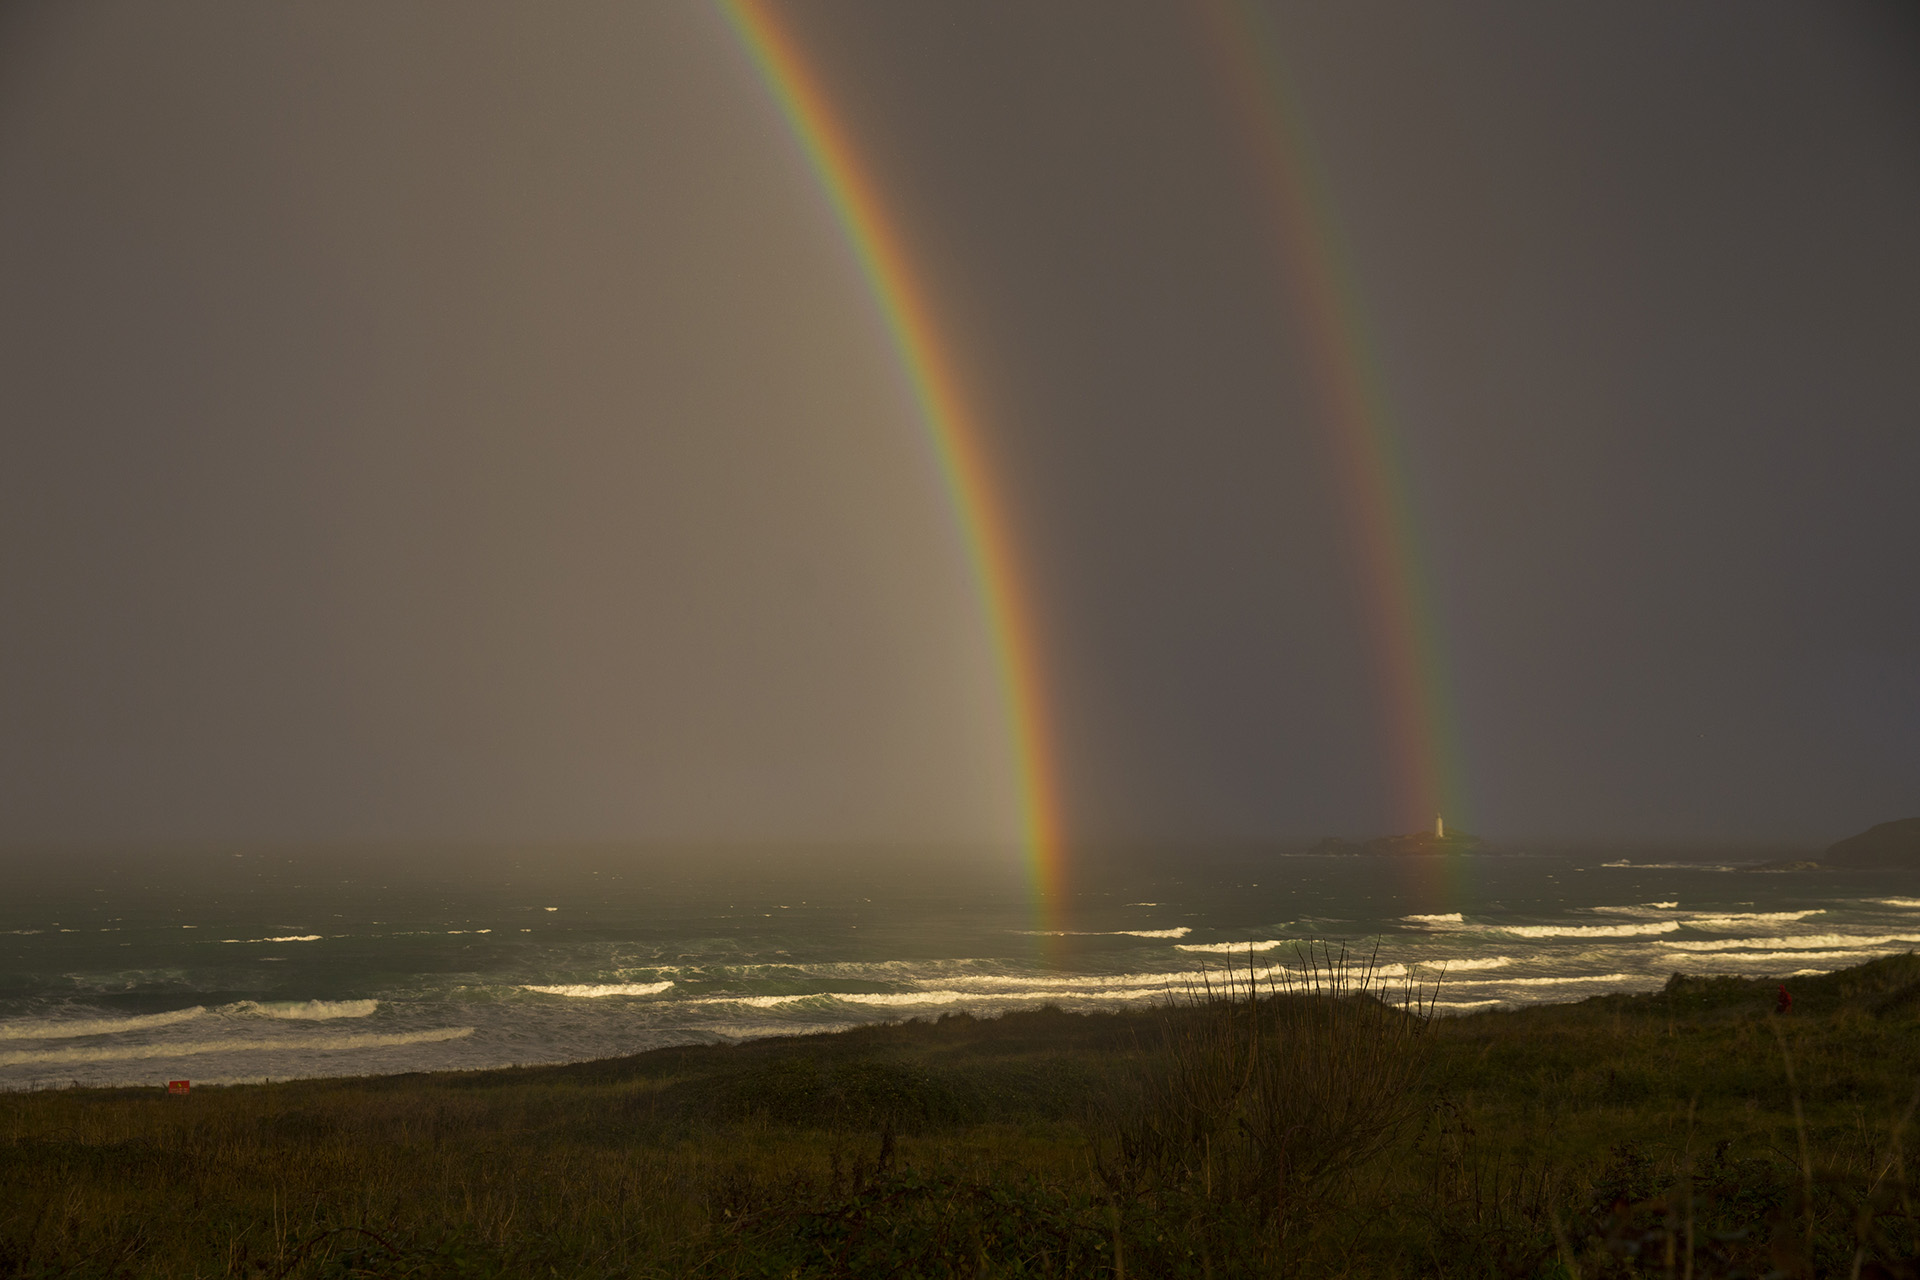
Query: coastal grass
(1321,1127)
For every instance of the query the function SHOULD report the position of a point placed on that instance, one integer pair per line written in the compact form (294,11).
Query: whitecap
(1587,930)
(1154,991)
(1179,932)
(1670,866)
(1738,919)
(1094,982)
(1808,941)
(1465,1006)
(1774,957)
(1473,962)
(1571,979)
(594,990)
(62,1028)
(1452,917)
(1231,947)
(305,1010)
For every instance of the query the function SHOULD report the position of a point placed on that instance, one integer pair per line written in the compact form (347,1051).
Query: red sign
(178,1086)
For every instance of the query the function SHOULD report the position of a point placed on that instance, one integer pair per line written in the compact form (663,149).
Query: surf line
(949,423)
(1346,365)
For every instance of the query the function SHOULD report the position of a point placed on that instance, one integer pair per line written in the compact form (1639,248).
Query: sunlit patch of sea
(124,970)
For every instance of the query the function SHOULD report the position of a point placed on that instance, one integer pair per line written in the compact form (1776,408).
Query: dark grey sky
(461,421)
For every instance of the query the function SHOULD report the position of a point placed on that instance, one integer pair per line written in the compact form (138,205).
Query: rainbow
(1347,368)
(951,427)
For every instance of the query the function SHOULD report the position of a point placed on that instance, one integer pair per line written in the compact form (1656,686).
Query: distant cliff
(1891,844)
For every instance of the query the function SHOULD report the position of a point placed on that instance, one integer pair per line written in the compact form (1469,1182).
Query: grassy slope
(1546,1141)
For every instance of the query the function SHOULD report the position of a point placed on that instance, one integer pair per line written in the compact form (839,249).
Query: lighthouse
(1439,827)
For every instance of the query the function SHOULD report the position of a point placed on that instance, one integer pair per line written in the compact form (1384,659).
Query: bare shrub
(1269,1086)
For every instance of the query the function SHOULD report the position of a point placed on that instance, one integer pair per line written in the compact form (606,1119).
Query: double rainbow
(1343,356)
(952,429)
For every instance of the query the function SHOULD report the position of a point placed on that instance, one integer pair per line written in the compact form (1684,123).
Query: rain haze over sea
(238,966)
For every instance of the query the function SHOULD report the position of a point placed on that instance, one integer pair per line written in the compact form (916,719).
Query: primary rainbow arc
(951,428)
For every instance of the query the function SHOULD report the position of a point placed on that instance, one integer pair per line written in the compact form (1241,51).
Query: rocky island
(1421,843)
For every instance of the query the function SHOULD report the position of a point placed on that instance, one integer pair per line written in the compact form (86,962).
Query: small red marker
(178,1086)
(1783,1003)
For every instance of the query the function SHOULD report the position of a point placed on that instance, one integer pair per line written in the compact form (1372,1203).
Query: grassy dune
(1687,1133)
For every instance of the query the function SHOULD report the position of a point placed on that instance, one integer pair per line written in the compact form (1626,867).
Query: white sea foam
(1086,983)
(1808,941)
(191,1048)
(304,937)
(1637,909)
(1909,903)
(1775,957)
(1231,947)
(1180,932)
(991,988)
(1452,917)
(1154,991)
(305,1010)
(1740,919)
(1670,866)
(63,1028)
(592,989)
(1587,930)
(1472,962)
(1465,1006)
(1572,979)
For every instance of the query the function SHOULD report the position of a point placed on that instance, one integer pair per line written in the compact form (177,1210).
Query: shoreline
(1757,985)
(1039,1142)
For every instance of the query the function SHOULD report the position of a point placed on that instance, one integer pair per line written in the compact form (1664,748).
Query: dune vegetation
(1313,1130)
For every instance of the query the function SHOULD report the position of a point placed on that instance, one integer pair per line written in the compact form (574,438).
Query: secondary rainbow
(1346,363)
(951,428)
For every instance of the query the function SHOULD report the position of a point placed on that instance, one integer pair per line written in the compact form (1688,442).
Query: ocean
(233,966)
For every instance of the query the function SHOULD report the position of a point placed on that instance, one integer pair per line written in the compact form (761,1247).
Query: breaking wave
(1586,930)
(1178,932)
(1452,917)
(1771,957)
(1570,979)
(1807,941)
(305,1010)
(592,990)
(64,1028)
(1231,947)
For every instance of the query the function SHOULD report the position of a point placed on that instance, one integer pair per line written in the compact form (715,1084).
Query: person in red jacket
(1783,1003)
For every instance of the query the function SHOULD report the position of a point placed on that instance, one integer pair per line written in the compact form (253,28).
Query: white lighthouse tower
(1439,827)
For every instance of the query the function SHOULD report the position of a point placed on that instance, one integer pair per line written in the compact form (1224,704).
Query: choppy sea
(221,967)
